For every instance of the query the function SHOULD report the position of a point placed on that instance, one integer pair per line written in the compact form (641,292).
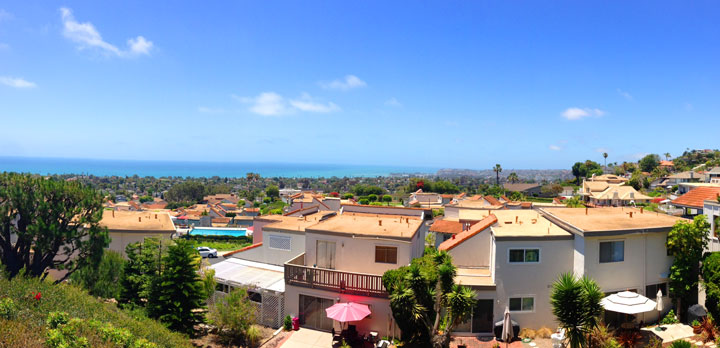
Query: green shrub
(681,344)
(8,309)
(287,323)
(56,319)
(669,318)
(253,336)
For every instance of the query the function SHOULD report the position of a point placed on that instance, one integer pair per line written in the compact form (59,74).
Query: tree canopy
(57,220)
(187,191)
(686,243)
(426,303)
(649,163)
(576,305)
(586,169)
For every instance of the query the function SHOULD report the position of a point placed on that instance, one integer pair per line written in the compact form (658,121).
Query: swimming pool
(218,231)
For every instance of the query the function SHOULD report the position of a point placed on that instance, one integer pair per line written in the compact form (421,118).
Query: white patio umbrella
(507,331)
(628,302)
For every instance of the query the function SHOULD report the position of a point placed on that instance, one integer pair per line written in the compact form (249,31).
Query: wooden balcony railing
(296,273)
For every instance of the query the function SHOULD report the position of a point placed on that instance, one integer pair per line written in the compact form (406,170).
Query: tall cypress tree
(178,293)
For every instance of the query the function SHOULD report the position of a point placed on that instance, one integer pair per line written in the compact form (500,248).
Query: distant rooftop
(293,223)
(137,221)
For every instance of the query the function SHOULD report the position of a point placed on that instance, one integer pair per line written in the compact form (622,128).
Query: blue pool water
(208,231)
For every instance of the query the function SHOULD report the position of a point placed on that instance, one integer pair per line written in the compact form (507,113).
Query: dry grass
(543,332)
(527,333)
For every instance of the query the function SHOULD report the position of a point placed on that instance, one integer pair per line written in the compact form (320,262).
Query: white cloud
(307,103)
(625,94)
(393,102)
(85,35)
(349,82)
(5,15)
(578,113)
(16,82)
(555,148)
(207,110)
(601,150)
(273,104)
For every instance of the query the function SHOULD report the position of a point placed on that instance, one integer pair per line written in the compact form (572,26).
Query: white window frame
(610,241)
(524,262)
(522,297)
(281,237)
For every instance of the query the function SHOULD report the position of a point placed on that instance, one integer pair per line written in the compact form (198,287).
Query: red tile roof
(492,200)
(457,239)
(696,196)
(243,249)
(446,226)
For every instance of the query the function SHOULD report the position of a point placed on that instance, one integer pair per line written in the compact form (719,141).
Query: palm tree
(667,156)
(576,306)
(605,157)
(513,177)
(497,170)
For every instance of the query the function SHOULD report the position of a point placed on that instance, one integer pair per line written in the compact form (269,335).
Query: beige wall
(530,280)
(474,252)
(266,254)
(357,254)
(379,321)
(119,240)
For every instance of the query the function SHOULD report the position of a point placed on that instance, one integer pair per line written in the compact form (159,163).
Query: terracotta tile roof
(457,239)
(253,246)
(492,200)
(446,226)
(696,196)
(667,163)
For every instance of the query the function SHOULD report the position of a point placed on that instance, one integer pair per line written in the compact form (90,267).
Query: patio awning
(234,271)
(628,302)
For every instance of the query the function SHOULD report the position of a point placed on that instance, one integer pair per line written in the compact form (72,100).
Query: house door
(325,254)
(312,312)
(482,318)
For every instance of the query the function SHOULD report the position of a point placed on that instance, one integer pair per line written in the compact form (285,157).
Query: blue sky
(442,84)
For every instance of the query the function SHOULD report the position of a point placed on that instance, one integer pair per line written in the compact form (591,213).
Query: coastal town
(359,174)
(319,269)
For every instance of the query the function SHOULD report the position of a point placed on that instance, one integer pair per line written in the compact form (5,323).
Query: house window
(651,290)
(612,251)
(524,255)
(522,304)
(385,254)
(279,242)
(254,296)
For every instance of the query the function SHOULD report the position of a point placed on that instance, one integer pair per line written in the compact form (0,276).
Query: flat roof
(139,221)
(525,223)
(397,226)
(612,219)
(295,223)
(475,204)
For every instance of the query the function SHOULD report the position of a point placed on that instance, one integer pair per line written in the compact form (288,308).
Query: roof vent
(139,218)
(631,214)
(379,222)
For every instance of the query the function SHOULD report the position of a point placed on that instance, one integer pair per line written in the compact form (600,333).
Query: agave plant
(629,338)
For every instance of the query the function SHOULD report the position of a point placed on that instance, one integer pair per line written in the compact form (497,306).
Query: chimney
(516,219)
(631,215)
(641,210)
(139,218)
(586,210)
(379,222)
(155,216)
(113,212)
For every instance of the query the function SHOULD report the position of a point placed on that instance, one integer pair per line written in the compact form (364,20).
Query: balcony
(297,274)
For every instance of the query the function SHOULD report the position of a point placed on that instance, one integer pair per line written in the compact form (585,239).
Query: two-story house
(344,260)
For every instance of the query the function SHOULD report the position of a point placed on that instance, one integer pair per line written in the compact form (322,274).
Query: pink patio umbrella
(349,311)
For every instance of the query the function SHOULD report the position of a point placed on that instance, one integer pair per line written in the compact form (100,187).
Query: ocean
(46,166)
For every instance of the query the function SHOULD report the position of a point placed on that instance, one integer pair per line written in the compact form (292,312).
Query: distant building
(127,227)
(692,202)
(526,189)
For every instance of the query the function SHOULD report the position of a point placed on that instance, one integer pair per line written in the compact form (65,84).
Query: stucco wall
(266,254)
(357,254)
(119,240)
(474,252)
(531,279)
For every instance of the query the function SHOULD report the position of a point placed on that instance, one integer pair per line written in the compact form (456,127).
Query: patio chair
(558,339)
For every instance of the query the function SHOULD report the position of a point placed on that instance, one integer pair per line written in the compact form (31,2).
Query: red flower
(38,296)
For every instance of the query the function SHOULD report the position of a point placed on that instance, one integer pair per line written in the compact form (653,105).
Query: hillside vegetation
(26,323)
